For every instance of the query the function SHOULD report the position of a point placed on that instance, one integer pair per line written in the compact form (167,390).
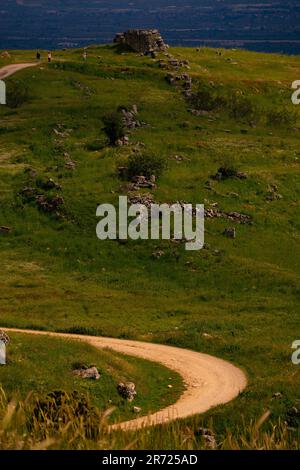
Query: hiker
(49,56)
(84,55)
(38,55)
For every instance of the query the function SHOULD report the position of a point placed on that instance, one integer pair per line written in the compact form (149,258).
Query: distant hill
(256,25)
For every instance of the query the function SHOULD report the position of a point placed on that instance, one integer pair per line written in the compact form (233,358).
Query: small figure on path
(38,55)
(84,55)
(49,56)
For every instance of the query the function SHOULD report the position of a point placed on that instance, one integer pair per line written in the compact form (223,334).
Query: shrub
(17,93)
(282,117)
(113,127)
(242,108)
(145,165)
(207,98)
(228,167)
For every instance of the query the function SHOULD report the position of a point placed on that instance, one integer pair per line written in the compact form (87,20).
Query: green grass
(244,293)
(44,364)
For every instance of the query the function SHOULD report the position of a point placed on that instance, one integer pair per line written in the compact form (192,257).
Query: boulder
(89,373)
(4,229)
(230,232)
(4,338)
(127,390)
(208,437)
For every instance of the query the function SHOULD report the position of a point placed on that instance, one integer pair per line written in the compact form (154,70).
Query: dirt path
(13,68)
(209,381)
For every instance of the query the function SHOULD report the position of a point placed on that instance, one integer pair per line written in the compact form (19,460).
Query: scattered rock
(230,232)
(233,194)
(51,204)
(198,112)
(4,229)
(4,337)
(137,409)
(127,390)
(70,164)
(129,118)
(62,133)
(141,181)
(158,254)
(28,192)
(145,199)
(224,173)
(89,373)
(184,80)
(273,194)
(277,395)
(123,141)
(208,436)
(207,335)
(214,212)
(179,158)
(234,216)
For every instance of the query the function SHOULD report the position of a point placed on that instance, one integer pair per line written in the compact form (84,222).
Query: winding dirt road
(209,381)
(13,68)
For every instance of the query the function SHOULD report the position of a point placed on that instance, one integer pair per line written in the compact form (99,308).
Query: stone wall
(142,40)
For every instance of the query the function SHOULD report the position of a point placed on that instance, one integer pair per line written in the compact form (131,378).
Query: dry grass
(63,425)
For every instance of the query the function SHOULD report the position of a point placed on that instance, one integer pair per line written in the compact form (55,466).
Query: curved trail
(8,70)
(209,381)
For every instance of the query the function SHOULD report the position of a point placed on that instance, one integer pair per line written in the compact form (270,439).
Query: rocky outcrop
(127,390)
(89,373)
(142,40)
(4,338)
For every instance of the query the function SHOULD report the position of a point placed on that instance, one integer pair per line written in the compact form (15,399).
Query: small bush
(113,127)
(207,97)
(242,108)
(17,93)
(145,165)
(282,117)
(229,167)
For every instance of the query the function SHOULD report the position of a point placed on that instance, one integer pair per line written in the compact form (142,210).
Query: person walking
(84,55)
(49,56)
(38,55)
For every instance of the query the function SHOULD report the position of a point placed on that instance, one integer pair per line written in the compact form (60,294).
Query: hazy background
(260,25)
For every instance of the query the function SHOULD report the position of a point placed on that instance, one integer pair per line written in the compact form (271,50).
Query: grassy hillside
(237,299)
(44,365)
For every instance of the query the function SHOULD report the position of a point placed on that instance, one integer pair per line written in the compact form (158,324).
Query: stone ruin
(144,41)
